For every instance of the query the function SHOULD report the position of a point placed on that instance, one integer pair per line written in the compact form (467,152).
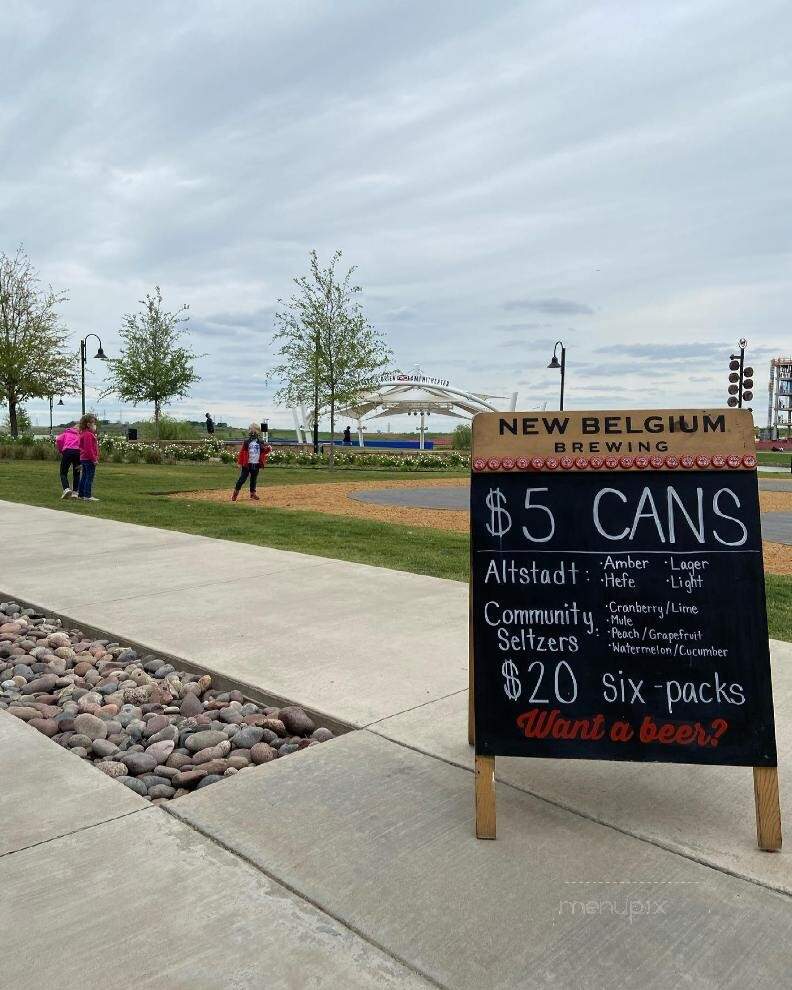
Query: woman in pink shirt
(68,445)
(89,456)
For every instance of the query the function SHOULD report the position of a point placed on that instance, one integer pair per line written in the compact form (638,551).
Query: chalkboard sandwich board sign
(617,595)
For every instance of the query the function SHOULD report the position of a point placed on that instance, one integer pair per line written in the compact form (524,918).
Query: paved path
(765,485)
(354,864)
(100,882)
(453,497)
(777,527)
(267,617)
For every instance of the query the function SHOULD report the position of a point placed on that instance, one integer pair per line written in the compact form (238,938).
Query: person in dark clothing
(210,427)
(68,446)
(252,457)
(347,436)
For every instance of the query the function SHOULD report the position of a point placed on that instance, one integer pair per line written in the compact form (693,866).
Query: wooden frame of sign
(617,602)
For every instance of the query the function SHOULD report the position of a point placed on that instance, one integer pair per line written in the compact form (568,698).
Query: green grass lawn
(133,493)
(771,458)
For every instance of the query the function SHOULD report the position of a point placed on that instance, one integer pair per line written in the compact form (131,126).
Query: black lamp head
(555,363)
(101,354)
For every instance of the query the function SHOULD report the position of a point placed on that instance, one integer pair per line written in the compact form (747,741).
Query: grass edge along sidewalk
(131,493)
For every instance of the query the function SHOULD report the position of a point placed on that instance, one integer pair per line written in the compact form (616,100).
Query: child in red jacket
(89,457)
(252,457)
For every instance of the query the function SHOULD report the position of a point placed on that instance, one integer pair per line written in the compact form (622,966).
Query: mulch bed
(333,499)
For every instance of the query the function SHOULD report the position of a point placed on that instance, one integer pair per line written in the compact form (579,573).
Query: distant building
(779,403)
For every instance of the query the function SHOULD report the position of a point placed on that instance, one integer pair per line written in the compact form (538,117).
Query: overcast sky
(503,174)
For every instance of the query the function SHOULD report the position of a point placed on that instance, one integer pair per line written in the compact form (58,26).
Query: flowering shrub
(119,450)
(374,459)
(134,451)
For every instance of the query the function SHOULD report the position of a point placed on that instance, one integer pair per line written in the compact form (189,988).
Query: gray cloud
(667,352)
(520,327)
(476,162)
(256,320)
(402,314)
(532,344)
(553,307)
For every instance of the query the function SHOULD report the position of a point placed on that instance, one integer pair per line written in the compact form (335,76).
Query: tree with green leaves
(462,437)
(329,353)
(24,425)
(35,360)
(153,368)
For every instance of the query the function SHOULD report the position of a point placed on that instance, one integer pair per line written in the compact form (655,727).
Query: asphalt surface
(776,526)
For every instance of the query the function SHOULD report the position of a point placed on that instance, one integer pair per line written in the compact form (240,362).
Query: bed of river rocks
(163,732)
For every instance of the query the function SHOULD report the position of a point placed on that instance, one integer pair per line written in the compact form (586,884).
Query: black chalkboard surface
(620,617)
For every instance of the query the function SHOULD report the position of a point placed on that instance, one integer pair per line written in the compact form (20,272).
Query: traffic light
(740,378)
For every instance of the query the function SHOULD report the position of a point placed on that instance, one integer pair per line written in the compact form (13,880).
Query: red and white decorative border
(641,462)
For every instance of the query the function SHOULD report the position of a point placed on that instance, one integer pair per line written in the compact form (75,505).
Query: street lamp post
(554,363)
(100,354)
(316,396)
(60,403)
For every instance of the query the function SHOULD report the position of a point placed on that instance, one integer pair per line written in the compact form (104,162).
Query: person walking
(252,457)
(68,446)
(89,457)
(210,426)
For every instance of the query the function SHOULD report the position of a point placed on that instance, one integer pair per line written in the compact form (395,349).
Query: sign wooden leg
(471,685)
(768,809)
(485,797)
(471,707)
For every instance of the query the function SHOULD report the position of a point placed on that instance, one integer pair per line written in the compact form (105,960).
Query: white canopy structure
(413,395)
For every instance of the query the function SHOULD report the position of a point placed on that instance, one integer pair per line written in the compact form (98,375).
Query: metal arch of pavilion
(413,395)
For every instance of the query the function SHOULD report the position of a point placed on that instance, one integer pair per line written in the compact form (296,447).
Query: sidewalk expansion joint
(666,847)
(414,708)
(84,828)
(174,812)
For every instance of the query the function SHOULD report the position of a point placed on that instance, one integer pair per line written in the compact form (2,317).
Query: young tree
(153,367)
(34,359)
(329,353)
(463,437)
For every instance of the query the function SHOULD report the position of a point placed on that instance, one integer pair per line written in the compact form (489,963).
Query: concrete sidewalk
(267,617)
(381,837)
(100,888)
(376,829)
